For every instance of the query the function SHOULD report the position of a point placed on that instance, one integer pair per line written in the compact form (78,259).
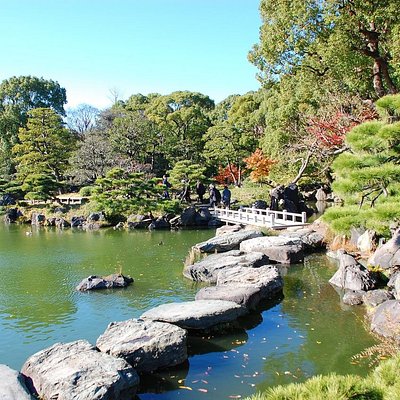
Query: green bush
(86,191)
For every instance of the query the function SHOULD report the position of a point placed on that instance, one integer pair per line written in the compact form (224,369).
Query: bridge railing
(261,217)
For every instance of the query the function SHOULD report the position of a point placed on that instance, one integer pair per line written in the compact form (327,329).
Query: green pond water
(307,332)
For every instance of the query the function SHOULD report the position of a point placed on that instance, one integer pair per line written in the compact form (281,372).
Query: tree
(182,119)
(259,165)
(19,95)
(93,158)
(82,118)
(43,151)
(186,171)
(120,193)
(354,42)
(367,177)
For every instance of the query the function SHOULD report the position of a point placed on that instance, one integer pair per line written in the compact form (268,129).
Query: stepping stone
(280,249)
(146,345)
(207,269)
(78,371)
(196,315)
(267,279)
(230,241)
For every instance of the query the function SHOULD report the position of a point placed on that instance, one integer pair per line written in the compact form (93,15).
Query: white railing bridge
(258,217)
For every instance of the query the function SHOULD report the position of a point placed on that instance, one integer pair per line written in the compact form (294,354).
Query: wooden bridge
(264,218)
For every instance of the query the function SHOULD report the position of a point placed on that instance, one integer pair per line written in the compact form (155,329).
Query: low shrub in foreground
(381,384)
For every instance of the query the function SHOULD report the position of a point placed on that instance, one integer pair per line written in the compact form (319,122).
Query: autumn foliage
(259,165)
(228,175)
(331,130)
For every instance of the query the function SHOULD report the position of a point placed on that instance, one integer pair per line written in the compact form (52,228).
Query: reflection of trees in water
(327,336)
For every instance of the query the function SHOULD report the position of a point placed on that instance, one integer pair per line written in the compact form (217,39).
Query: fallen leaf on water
(196,381)
(202,390)
(277,372)
(318,342)
(185,387)
(288,373)
(181,381)
(236,376)
(235,396)
(204,381)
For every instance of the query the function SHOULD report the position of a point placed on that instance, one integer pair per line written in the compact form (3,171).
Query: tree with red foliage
(259,165)
(229,175)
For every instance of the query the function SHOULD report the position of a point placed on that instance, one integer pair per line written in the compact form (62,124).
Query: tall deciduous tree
(352,41)
(182,118)
(82,118)
(43,151)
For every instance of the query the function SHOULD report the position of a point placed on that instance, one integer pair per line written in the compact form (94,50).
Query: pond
(307,332)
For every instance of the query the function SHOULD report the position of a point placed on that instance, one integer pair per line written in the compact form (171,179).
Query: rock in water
(12,385)
(196,315)
(146,345)
(230,241)
(112,281)
(352,275)
(207,269)
(280,249)
(77,371)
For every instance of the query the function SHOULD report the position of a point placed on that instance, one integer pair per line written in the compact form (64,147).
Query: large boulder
(77,222)
(208,268)
(203,216)
(146,345)
(248,296)
(188,217)
(375,297)
(38,219)
(227,242)
(266,278)
(112,281)
(196,315)
(244,286)
(12,215)
(386,319)
(352,275)
(310,239)
(139,221)
(366,242)
(284,250)
(223,230)
(78,371)
(388,255)
(353,297)
(12,385)
(160,223)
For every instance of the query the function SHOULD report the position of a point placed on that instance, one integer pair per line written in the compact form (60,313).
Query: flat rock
(280,249)
(266,278)
(226,229)
(12,385)
(77,371)
(230,241)
(146,345)
(352,275)
(196,315)
(388,255)
(95,282)
(386,319)
(246,295)
(207,269)
(310,239)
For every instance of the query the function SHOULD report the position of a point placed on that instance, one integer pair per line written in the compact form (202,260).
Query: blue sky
(92,47)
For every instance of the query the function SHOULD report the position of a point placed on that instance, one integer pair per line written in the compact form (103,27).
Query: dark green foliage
(121,193)
(367,178)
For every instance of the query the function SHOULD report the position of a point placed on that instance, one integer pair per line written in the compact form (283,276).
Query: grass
(383,383)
